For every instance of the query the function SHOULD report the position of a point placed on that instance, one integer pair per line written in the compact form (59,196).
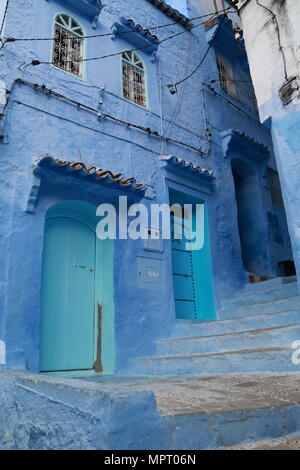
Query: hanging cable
(180,98)
(4,17)
(12,39)
(173,87)
(39,62)
(229,80)
(274,17)
(102,115)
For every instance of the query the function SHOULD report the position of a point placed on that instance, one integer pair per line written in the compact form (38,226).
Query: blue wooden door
(68,298)
(192,271)
(183,276)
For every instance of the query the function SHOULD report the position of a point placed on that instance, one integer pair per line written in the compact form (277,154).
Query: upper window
(235,84)
(134,83)
(68,45)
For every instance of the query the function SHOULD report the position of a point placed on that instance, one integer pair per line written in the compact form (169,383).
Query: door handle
(81,266)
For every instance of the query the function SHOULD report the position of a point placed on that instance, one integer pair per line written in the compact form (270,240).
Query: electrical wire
(174,85)
(38,62)
(229,80)
(274,17)
(180,98)
(230,103)
(12,39)
(4,17)
(101,114)
(105,115)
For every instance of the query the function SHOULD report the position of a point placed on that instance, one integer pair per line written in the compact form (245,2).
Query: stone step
(271,283)
(246,298)
(285,442)
(272,306)
(267,337)
(188,413)
(216,412)
(256,360)
(184,328)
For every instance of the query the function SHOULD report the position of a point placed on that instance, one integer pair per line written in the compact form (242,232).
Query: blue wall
(36,124)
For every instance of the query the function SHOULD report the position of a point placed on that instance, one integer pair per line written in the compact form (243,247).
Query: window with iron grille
(134,82)
(235,84)
(68,45)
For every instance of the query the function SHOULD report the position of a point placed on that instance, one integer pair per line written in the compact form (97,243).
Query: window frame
(145,79)
(83,47)
(233,90)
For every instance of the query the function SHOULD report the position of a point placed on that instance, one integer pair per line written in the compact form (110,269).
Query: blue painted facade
(276,81)
(49,115)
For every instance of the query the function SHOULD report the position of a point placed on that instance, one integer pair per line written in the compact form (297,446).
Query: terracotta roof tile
(97,174)
(141,30)
(184,164)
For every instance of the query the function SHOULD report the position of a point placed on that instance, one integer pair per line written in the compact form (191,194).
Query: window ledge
(137,36)
(89,8)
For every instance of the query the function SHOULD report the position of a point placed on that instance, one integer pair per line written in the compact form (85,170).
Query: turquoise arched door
(68,296)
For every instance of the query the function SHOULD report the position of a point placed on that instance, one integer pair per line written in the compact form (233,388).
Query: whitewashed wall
(2,10)
(261,38)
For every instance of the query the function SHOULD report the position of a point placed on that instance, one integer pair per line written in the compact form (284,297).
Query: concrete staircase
(39,412)
(230,398)
(258,326)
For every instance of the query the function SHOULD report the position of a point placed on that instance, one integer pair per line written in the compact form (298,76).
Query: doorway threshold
(71,373)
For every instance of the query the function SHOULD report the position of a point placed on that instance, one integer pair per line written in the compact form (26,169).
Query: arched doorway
(68,320)
(251,218)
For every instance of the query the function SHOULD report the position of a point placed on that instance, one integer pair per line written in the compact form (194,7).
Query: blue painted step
(268,337)
(253,322)
(256,360)
(76,414)
(247,298)
(255,334)
(270,306)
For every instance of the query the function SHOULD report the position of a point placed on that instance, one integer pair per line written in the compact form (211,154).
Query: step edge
(187,338)
(237,318)
(261,303)
(245,295)
(220,353)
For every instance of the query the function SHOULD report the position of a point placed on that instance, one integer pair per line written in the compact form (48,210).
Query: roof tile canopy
(138,28)
(180,163)
(91,173)
(237,141)
(136,35)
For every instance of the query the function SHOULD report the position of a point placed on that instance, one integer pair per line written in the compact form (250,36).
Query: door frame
(203,197)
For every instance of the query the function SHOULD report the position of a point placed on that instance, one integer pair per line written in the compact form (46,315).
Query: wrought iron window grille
(236,84)
(68,45)
(134,80)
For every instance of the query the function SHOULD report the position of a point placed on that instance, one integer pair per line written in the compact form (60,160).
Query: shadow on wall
(250,214)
